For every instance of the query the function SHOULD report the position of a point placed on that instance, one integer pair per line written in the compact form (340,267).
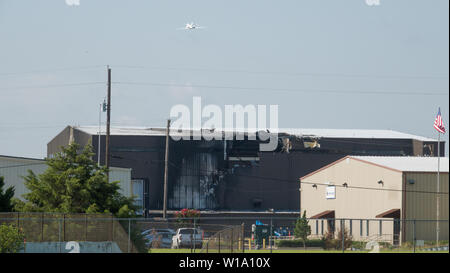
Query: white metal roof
(355,133)
(408,163)
(326,133)
(126,131)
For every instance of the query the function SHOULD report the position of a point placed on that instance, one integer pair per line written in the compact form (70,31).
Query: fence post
(129,234)
(270,235)
(42,227)
(195,237)
(232,240)
(414,235)
(219,241)
(243,239)
(112,228)
(343,237)
(351,228)
(64,227)
(85,227)
(59,234)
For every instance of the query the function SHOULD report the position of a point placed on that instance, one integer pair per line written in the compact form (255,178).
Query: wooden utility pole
(166,171)
(108,120)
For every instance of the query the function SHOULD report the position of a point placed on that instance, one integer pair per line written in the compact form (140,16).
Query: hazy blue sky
(294,49)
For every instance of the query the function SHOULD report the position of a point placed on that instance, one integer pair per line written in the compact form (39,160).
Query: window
(187,231)
(137,187)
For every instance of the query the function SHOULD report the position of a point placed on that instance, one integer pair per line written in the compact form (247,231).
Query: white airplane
(190,26)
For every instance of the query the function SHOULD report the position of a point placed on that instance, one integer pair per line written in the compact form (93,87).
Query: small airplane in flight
(191,26)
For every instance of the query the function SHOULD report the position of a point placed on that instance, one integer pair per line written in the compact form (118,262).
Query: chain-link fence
(53,232)
(55,229)
(228,240)
(365,235)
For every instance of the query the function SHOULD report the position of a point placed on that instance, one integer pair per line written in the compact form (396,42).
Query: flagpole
(437,197)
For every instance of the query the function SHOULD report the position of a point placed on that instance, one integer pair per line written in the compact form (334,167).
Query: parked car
(187,238)
(158,238)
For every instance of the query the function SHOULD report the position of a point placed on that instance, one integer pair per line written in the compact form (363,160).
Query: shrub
(329,242)
(299,243)
(359,244)
(11,239)
(347,239)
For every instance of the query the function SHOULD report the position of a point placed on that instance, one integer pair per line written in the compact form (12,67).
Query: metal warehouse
(13,169)
(233,175)
(399,194)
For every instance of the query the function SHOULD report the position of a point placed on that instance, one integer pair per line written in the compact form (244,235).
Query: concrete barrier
(71,247)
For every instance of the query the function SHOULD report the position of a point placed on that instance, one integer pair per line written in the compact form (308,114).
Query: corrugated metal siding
(124,177)
(12,169)
(422,206)
(355,203)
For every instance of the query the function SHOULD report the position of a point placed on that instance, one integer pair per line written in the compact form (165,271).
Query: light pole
(271,231)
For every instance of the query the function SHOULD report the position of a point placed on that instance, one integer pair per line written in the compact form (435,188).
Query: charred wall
(196,173)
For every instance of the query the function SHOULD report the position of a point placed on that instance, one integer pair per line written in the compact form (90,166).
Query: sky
(338,64)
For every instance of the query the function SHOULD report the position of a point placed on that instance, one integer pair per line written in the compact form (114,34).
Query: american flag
(438,124)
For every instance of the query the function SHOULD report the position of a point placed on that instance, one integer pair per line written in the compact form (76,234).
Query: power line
(302,182)
(52,85)
(386,92)
(284,73)
(49,70)
(209,172)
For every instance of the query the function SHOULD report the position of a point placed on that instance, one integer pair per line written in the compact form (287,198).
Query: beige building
(380,198)
(14,168)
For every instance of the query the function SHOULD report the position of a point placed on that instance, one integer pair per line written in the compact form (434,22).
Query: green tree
(5,197)
(74,183)
(11,239)
(302,229)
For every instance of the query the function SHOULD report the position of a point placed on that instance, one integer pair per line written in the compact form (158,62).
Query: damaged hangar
(234,175)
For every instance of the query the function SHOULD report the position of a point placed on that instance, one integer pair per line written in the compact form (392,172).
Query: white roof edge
(326,133)
(408,163)
(20,158)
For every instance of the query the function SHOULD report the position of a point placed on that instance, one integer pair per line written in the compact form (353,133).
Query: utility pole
(166,171)
(108,121)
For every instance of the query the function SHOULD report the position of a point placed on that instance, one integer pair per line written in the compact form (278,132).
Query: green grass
(162,250)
